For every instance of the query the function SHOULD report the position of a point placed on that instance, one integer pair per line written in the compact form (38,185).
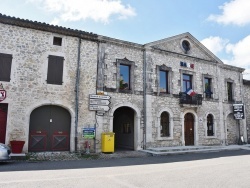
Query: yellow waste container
(108,142)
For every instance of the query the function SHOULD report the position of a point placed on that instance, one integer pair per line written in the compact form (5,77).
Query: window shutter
(55,70)
(5,67)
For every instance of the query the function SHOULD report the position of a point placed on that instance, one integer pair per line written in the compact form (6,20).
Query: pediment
(184,44)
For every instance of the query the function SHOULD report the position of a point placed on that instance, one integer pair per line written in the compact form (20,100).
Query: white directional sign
(99,97)
(98,108)
(99,102)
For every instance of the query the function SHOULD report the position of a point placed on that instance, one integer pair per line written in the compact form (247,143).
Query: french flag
(190,92)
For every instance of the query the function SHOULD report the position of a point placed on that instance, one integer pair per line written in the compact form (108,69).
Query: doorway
(3,121)
(123,127)
(49,129)
(189,129)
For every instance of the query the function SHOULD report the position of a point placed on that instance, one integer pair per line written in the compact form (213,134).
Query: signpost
(92,96)
(99,103)
(99,108)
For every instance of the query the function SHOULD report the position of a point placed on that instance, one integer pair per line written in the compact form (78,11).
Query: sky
(223,26)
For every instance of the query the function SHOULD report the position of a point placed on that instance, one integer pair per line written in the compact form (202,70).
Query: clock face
(186,45)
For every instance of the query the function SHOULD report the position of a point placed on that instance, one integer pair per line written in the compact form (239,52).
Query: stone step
(18,156)
(191,149)
(186,148)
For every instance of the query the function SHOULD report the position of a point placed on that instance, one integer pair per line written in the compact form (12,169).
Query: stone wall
(246,91)
(28,88)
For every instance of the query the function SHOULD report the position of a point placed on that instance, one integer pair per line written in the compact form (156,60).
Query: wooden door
(49,129)
(123,123)
(3,121)
(189,129)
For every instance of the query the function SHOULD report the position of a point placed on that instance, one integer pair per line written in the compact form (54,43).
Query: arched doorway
(232,130)
(123,127)
(189,129)
(49,129)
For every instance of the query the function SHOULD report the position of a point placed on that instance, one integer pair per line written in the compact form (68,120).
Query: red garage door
(3,121)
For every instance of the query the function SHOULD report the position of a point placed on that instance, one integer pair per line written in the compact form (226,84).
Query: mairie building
(62,88)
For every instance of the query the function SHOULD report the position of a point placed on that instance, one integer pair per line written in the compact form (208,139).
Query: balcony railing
(186,99)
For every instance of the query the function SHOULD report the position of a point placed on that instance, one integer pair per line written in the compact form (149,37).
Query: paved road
(218,169)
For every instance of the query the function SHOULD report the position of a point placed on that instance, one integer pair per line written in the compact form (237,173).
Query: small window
(165,124)
(185,45)
(164,82)
(230,91)
(57,41)
(208,87)
(187,82)
(124,77)
(55,70)
(210,125)
(5,67)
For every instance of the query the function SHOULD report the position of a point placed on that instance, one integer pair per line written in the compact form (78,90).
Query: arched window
(164,124)
(210,125)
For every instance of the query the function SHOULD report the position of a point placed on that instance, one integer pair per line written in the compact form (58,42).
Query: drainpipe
(144,98)
(77,92)
(97,87)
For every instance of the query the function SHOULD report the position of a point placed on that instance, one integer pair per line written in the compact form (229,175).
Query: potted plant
(17,140)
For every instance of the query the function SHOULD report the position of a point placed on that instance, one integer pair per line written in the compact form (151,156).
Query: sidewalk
(66,156)
(193,149)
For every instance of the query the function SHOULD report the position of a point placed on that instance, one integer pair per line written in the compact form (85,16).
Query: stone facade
(246,91)
(92,63)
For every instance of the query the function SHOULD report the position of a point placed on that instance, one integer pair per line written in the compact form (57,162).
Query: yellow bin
(108,142)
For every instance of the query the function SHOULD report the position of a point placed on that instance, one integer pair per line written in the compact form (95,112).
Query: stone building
(171,92)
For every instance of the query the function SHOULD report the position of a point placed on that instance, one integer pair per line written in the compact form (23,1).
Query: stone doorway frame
(137,122)
(182,117)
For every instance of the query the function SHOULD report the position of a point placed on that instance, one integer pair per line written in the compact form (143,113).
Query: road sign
(92,96)
(88,133)
(238,110)
(98,107)
(99,102)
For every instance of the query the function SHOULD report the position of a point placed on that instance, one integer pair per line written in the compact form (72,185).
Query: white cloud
(215,44)
(234,12)
(240,52)
(75,10)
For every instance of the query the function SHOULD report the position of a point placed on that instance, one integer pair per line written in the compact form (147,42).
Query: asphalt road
(217,169)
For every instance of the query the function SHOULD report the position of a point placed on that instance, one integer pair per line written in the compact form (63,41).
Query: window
(5,67)
(208,87)
(185,45)
(55,70)
(164,74)
(163,82)
(187,82)
(210,125)
(230,91)
(124,77)
(165,124)
(57,41)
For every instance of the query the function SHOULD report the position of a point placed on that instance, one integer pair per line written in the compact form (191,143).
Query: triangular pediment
(184,44)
